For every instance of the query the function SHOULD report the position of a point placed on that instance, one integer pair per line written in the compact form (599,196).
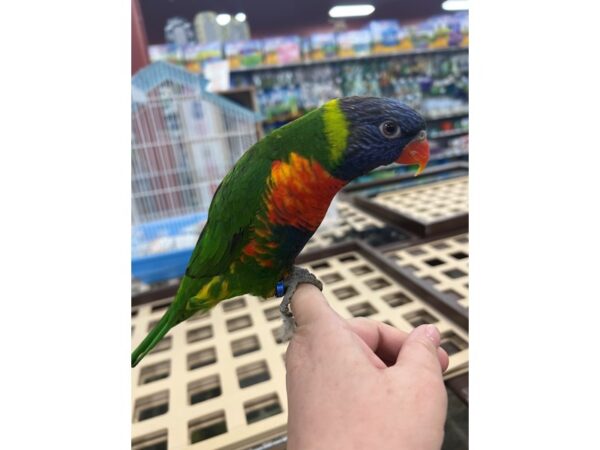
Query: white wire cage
(184,141)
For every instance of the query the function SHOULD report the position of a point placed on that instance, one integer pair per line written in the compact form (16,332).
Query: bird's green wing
(233,209)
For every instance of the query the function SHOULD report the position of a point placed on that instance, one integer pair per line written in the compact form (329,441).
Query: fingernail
(433,334)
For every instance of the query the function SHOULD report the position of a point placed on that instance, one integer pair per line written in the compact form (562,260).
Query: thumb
(309,305)
(419,350)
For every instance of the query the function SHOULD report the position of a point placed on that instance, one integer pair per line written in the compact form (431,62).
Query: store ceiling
(272,17)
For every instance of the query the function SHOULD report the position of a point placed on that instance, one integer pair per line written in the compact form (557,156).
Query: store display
(203,53)
(436,84)
(354,43)
(282,50)
(322,46)
(386,35)
(244,53)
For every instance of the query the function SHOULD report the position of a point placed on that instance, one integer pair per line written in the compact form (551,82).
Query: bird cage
(184,141)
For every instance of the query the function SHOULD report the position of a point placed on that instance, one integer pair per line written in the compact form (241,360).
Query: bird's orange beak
(416,152)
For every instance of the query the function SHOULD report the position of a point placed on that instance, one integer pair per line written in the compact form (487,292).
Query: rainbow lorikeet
(272,201)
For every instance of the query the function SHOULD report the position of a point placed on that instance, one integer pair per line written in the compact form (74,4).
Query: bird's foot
(297,276)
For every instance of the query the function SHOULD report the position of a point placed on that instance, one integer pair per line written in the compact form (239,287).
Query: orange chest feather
(299,193)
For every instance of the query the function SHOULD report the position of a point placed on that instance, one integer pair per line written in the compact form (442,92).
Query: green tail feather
(174,315)
(163,326)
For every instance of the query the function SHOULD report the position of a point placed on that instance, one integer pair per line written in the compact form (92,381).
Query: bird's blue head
(368,132)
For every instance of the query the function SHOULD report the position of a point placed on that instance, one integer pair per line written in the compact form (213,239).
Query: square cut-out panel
(251,374)
(320,265)
(245,345)
(238,323)
(272,313)
(377,283)
(234,304)
(361,270)
(420,317)
(153,441)
(207,427)
(204,389)
(428,203)
(199,316)
(363,309)
(201,358)
(151,406)
(452,343)
(441,264)
(163,345)
(345,292)
(161,306)
(396,299)
(433,262)
(331,278)
(199,334)
(455,273)
(262,408)
(154,372)
(347,258)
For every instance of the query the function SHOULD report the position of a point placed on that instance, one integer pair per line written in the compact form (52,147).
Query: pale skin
(362,384)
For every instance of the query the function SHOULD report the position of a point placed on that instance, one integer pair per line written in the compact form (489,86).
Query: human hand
(362,384)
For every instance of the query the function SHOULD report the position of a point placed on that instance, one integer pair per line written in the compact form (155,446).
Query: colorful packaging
(440,32)
(174,54)
(157,53)
(203,53)
(387,36)
(323,46)
(282,50)
(422,35)
(354,43)
(463,23)
(244,53)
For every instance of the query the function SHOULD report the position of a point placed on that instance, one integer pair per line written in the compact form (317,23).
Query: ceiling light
(351,10)
(455,5)
(223,19)
(240,17)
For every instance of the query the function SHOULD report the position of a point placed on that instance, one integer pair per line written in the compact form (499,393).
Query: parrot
(276,195)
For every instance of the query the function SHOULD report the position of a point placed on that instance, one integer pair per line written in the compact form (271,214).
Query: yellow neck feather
(336,129)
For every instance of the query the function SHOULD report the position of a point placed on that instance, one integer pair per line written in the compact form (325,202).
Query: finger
(444,359)
(420,349)
(384,340)
(309,305)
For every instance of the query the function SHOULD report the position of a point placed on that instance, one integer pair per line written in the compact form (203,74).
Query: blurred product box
(323,46)
(166,52)
(243,54)
(157,53)
(354,43)
(388,36)
(282,50)
(197,55)
(462,19)
(440,32)
(422,35)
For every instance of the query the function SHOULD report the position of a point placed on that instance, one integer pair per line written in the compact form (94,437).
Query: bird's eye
(390,129)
